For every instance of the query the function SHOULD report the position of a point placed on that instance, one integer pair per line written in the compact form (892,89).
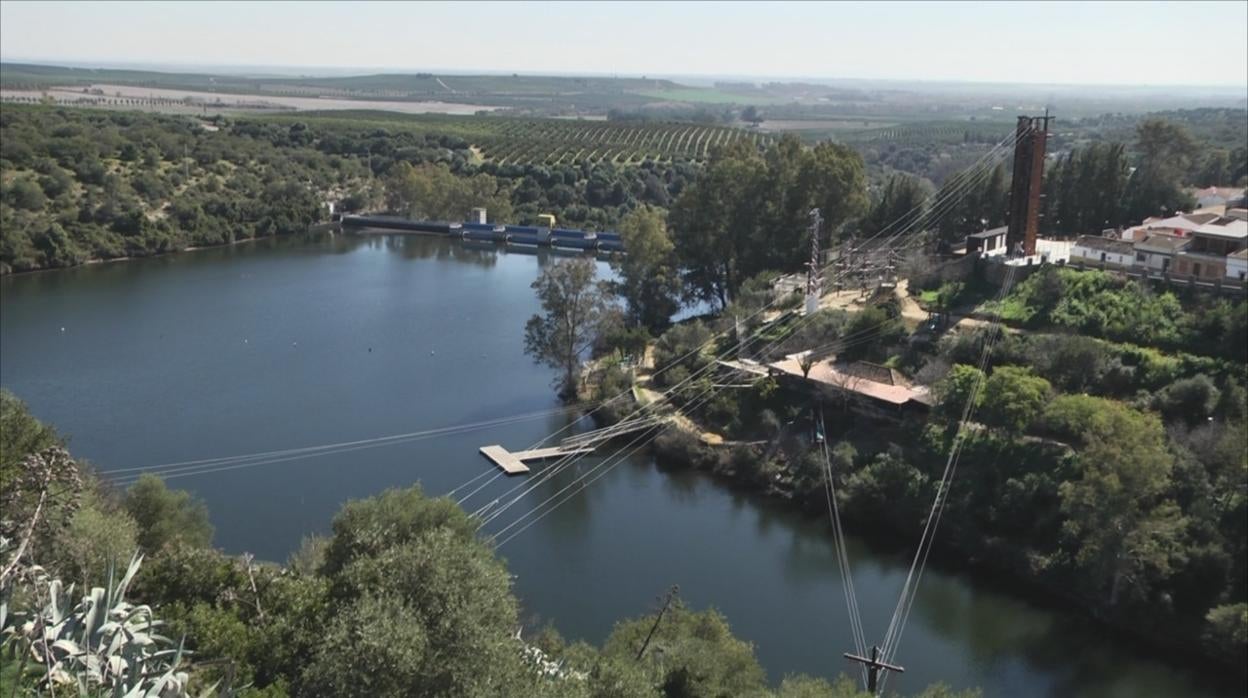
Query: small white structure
(478,216)
(1091,249)
(987,243)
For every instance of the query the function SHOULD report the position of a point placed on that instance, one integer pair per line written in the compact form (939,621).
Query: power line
(563,464)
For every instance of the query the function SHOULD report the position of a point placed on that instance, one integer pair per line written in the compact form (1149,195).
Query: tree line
(77,184)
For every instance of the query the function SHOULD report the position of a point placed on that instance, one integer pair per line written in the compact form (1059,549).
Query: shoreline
(94,261)
(978,567)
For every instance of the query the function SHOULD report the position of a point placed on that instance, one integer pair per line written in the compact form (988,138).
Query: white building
(1156,251)
(1181,225)
(1091,249)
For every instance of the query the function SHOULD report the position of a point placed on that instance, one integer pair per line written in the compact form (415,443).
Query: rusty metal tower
(1027,183)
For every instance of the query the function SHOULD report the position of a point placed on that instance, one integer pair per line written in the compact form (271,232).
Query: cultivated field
(508,140)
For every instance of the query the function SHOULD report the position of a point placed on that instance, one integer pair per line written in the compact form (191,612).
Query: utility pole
(874,665)
(813,280)
(671,594)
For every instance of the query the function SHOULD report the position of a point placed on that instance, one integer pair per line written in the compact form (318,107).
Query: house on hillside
(1212,242)
(1181,225)
(1091,249)
(1156,251)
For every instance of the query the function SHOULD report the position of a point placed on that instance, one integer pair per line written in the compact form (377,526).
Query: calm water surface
(293,343)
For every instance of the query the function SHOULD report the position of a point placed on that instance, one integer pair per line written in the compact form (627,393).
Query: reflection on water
(286,343)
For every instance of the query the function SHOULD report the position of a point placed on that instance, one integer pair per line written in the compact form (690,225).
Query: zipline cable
(560,466)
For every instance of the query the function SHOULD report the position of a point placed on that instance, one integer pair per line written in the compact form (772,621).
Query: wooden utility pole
(671,594)
(874,665)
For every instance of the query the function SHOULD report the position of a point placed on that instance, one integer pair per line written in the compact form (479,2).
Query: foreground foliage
(403,598)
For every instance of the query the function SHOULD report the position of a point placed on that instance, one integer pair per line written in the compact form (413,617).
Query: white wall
(1235,267)
(1154,260)
(1093,256)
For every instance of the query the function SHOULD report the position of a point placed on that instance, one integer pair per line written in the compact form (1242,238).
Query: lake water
(287,344)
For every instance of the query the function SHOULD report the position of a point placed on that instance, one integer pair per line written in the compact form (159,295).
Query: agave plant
(101,644)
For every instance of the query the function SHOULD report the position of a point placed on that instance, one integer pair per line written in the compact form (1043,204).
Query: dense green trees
(1100,304)
(901,198)
(20,434)
(574,306)
(83,184)
(433,192)
(103,184)
(1105,186)
(1125,533)
(166,516)
(974,203)
(1164,155)
(649,280)
(747,212)
(1086,191)
(1013,397)
(412,570)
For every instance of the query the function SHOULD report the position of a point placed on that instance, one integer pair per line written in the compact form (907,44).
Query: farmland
(556,142)
(698,95)
(517,141)
(934,132)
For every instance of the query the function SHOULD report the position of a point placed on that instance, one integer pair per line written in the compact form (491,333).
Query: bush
(1013,398)
(678,448)
(684,345)
(167,516)
(1227,631)
(1189,399)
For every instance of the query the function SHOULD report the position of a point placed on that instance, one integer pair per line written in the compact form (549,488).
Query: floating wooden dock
(513,463)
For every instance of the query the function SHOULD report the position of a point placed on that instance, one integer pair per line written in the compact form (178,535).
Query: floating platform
(513,463)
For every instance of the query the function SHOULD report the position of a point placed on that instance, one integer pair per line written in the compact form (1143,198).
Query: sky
(1120,43)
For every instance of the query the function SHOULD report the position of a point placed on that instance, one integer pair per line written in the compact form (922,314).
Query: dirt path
(910,309)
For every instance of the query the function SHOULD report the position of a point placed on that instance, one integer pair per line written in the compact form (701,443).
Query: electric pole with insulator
(874,667)
(813,280)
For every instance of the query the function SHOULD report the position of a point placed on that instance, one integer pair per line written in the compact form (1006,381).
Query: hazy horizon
(1014,44)
(248,70)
